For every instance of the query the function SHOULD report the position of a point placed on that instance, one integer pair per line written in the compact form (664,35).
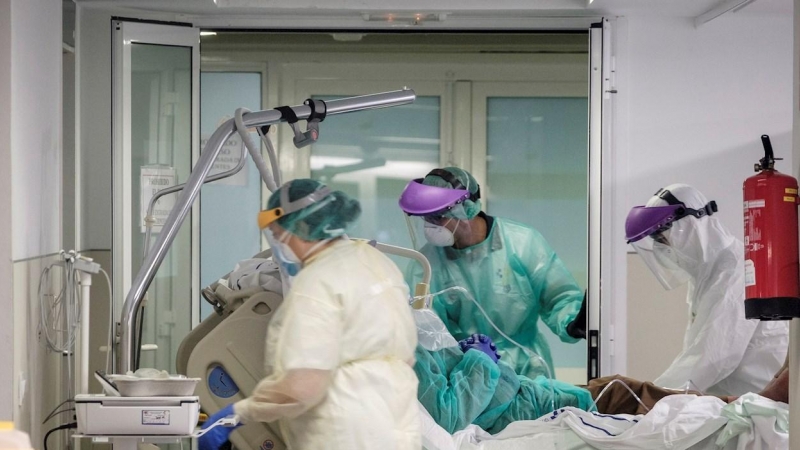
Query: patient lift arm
(196,179)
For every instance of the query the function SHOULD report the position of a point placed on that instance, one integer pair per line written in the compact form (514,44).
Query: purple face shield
(643,221)
(419,199)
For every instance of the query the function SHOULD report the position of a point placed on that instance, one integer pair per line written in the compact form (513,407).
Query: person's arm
(454,387)
(559,295)
(307,355)
(778,389)
(719,345)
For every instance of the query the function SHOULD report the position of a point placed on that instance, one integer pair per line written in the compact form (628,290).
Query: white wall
(36,127)
(698,101)
(692,110)
(34,180)
(6,302)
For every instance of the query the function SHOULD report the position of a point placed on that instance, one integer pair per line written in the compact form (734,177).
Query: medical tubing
(594,403)
(53,412)
(273,156)
(528,353)
(66,307)
(255,153)
(66,426)
(58,413)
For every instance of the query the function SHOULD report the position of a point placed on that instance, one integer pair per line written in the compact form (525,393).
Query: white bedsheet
(678,422)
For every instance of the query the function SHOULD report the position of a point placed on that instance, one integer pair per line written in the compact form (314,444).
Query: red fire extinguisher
(772,288)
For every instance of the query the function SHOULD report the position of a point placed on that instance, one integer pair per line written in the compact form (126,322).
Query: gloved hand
(217,436)
(577,328)
(480,342)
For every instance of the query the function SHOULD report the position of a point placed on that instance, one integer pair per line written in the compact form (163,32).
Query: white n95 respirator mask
(439,235)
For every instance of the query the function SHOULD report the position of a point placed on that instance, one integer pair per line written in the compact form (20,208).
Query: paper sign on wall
(154,179)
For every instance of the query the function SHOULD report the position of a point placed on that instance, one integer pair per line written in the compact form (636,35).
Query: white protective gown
(339,355)
(723,352)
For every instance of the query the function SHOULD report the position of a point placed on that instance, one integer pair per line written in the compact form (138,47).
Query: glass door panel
(536,173)
(372,155)
(155,89)
(161,155)
(229,207)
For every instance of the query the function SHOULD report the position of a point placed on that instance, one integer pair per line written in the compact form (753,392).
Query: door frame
(605,329)
(93,23)
(123,34)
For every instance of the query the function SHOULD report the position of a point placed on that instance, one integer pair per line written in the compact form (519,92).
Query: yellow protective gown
(339,355)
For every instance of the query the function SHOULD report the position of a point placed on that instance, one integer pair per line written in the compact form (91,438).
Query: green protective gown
(517,278)
(459,389)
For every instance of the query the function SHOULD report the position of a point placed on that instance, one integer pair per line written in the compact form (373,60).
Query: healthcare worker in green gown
(508,267)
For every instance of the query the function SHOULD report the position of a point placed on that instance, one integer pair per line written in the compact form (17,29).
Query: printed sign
(154,179)
(155,417)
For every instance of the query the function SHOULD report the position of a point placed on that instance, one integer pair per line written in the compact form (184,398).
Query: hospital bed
(227,351)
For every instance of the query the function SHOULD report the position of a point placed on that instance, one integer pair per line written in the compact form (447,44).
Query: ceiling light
(347,37)
(720,9)
(208,33)
(412,19)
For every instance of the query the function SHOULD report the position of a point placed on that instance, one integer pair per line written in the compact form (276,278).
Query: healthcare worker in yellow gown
(340,349)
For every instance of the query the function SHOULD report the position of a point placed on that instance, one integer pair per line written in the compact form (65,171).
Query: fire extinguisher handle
(767,146)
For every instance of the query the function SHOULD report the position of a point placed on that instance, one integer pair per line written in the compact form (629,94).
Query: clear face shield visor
(441,229)
(288,262)
(662,259)
(434,214)
(653,231)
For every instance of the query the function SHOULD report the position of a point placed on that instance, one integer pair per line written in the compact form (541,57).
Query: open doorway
(512,108)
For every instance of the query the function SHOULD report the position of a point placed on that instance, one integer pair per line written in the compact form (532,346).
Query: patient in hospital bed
(459,389)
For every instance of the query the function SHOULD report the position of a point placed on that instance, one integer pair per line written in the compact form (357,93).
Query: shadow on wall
(654,315)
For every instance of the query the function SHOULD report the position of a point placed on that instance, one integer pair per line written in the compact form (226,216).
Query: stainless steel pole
(184,203)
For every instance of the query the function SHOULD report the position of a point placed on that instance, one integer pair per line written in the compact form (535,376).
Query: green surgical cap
(471,208)
(330,217)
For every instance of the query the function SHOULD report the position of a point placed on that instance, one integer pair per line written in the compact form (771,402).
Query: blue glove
(480,342)
(218,435)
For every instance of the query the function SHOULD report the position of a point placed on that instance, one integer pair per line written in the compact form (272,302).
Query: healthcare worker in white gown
(682,240)
(340,349)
